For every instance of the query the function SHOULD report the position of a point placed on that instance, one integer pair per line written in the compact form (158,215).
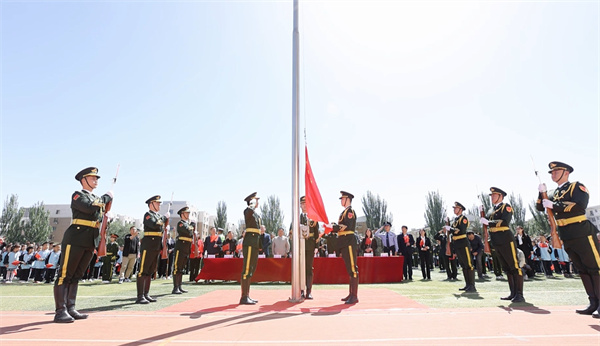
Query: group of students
(29,262)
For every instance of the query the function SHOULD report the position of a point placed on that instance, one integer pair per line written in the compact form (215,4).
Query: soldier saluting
(150,248)
(251,243)
(503,241)
(348,244)
(568,204)
(185,235)
(462,247)
(78,244)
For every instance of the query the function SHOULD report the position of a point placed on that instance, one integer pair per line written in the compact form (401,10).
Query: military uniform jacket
(570,200)
(153,223)
(313,229)
(185,229)
(85,206)
(252,220)
(459,226)
(347,218)
(111,251)
(500,218)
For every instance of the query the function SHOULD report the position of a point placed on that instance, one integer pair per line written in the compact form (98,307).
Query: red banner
(314,203)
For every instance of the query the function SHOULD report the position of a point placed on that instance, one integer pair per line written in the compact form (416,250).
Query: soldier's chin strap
(562,174)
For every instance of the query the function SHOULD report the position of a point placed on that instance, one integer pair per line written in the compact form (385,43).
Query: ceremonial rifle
(195,239)
(486,242)
(448,240)
(164,254)
(553,233)
(104,224)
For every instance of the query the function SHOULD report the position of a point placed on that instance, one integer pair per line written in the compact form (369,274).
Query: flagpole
(295,160)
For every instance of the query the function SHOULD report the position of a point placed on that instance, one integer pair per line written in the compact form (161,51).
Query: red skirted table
(326,270)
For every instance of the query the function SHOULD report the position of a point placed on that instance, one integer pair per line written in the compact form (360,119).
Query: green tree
(519,212)
(375,209)
(271,214)
(475,224)
(539,223)
(221,220)
(434,212)
(10,221)
(486,202)
(37,227)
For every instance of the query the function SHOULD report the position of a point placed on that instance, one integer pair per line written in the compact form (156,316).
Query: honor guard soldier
(310,232)
(251,243)
(462,248)
(348,244)
(185,235)
(108,261)
(503,241)
(150,248)
(568,204)
(78,244)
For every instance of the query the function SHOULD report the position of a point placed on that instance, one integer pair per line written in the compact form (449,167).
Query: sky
(398,98)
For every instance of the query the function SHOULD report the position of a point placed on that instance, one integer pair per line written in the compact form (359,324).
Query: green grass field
(436,293)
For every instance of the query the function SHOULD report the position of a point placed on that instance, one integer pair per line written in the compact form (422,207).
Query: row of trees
(19,224)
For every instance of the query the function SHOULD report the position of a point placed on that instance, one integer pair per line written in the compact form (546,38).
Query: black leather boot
(309,280)
(596,284)
(245,300)
(139,282)
(511,285)
(175,286)
(518,279)
(466,277)
(180,279)
(147,280)
(471,283)
(353,291)
(60,298)
(589,289)
(71,297)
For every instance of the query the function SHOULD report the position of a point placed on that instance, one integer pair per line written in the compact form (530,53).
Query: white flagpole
(296,161)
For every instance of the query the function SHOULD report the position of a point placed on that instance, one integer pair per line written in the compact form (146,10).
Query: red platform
(326,270)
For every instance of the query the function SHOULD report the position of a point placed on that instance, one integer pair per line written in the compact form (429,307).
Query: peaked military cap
(387,223)
(458,205)
(498,191)
(251,197)
(183,210)
(346,194)
(153,199)
(303,199)
(114,236)
(90,171)
(555,165)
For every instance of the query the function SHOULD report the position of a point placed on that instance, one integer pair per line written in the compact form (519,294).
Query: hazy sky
(399,98)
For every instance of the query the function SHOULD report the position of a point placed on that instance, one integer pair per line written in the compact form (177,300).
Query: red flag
(314,203)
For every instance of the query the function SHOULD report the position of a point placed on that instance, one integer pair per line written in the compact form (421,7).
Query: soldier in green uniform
(185,235)
(348,245)
(310,232)
(154,224)
(462,247)
(78,244)
(568,204)
(251,244)
(108,262)
(503,241)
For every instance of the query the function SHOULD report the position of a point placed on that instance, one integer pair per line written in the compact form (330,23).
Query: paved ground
(381,316)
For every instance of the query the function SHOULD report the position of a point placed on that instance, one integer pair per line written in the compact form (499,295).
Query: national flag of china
(226,247)
(314,203)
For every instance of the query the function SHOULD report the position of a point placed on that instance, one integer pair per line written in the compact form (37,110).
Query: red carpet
(277,301)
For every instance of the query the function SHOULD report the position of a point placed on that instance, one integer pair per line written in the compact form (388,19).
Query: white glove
(447,228)
(168,215)
(484,221)
(447,219)
(542,188)
(110,193)
(547,204)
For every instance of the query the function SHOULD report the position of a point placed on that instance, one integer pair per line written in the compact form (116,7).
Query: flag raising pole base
(296,297)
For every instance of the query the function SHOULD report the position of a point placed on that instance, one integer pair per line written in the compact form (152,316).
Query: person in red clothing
(196,260)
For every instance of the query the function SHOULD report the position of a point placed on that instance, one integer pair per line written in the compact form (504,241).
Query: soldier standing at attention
(458,229)
(185,234)
(108,262)
(251,244)
(348,244)
(310,231)
(568,204)
(503,240)
(150,248)
(78,244)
